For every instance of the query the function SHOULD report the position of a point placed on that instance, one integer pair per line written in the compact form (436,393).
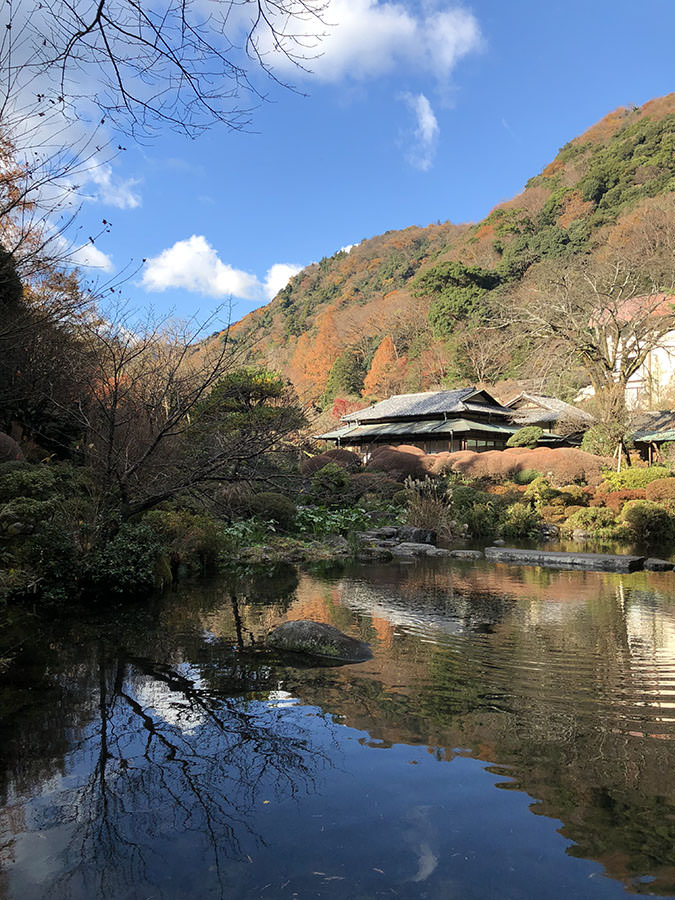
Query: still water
(512,737)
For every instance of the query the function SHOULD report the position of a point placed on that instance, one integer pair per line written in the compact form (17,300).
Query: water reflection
(158,752)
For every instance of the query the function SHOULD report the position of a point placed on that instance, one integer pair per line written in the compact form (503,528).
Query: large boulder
(318,640)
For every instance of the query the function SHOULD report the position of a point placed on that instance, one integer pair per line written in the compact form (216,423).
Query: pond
(512,737)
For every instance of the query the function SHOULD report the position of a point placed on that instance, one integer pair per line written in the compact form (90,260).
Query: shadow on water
(154,751)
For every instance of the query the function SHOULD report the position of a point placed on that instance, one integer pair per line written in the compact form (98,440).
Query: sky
(415,112)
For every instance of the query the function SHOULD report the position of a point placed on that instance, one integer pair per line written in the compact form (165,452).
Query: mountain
(376,318)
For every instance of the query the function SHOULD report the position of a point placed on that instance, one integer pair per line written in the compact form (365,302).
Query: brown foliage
(661,489)
(343,458)
(615,500)
(399,462)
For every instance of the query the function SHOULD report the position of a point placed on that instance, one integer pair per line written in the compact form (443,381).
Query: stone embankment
(592,562)
(405,542)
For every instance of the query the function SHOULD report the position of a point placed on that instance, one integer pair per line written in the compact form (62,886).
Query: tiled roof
(428,404)
(655,426)
(550,408)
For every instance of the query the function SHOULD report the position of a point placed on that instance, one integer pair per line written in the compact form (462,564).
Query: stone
(593,562)
(319,640)
(376,553)
(466,554)
(438,551)
(337,543)
(410,548)
(410,534)
(580,535)
(498,543)
(658,565)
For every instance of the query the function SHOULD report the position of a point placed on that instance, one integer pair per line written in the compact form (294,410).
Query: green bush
(329,484)
(649,522)
(633,478)
(319,520)
(593,519)
(126,565)
(540,492)
(273,507)
(526,437)
(194,540)
(525,476)
(520,521)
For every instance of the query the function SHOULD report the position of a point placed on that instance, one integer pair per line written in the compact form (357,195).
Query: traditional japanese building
(436,421)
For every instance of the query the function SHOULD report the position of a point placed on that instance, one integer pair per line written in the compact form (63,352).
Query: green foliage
(540,492)
(273,507)
(193,540)
(319,521)
(633,478)
(456,293)
(521,521)
(329,484)
(594,519)
(526,476)
(126,565)
(480,512)
(346,376)
(526,437)
(649,522)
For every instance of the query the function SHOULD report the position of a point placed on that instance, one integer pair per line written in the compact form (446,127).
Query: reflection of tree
(170,754)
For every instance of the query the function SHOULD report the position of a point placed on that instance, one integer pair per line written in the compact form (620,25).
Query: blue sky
(416,112)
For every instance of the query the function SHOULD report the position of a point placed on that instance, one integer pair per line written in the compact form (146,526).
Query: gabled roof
(431,403)
(655,426)
(552,408)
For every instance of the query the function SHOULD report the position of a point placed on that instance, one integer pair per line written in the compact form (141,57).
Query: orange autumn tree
(385,372)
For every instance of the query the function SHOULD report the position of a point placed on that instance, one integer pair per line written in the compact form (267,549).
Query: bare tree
(175,63)
(605,315)
(161,413)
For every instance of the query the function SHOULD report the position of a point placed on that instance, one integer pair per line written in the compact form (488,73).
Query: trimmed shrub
(526,476)
(591,519)
(520,521)
(526,437)
(553,514)
(615,500)
(343,458)
(373,483)
(329,484)
(649,523)
(540,491)
(661,489)
(633,478)
(400,462)
(273,507)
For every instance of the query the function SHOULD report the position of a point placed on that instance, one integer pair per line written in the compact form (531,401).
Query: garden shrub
(591,519)
(521,521)
(329,484)
(633,478)
(126,564)
(540,491)
(346,459)
(526,476)
(553,514)
(376,483)
(615,500)
(526,437)
(398,462)
(277,508)
(649,522)
(194,540)
(661,489)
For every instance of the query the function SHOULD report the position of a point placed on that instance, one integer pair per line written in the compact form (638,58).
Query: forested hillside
(413,309)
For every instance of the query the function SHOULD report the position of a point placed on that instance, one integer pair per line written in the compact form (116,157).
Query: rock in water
(319,640)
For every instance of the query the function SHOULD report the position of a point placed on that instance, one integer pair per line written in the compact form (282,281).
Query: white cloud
(114,191)
(278,277)
(422,141)
(195,266)
(361,39)
(90,256)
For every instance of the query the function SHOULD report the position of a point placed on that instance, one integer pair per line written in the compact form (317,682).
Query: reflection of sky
(171,706)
